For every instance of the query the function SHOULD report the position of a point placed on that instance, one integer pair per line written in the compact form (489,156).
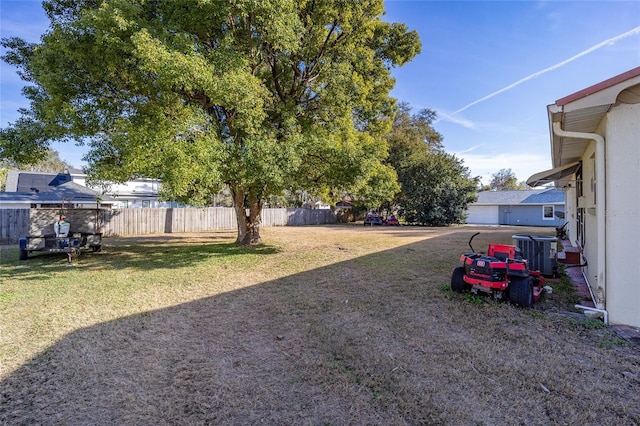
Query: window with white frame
(548,212)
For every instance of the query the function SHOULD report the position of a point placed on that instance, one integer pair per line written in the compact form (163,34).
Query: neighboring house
(19,181)
(527,208)
(17,200)
(132,194)
(595,150)
(65,195)
(344,204)
(318,204)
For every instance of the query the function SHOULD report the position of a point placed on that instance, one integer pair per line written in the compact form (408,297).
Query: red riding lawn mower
(503,273)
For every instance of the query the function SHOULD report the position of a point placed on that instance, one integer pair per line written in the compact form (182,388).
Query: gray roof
(73,192)
(69,192)
(533,196)
(18,181)
(18,197)
(47,188)
(551,196)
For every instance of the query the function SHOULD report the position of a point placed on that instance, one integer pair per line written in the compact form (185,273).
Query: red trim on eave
(598,87)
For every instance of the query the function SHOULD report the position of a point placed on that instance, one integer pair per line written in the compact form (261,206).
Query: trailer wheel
(23,254)
(457,280)
(521,292)
(97,248)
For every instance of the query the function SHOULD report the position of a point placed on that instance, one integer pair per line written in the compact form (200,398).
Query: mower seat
(502,251)
(501,256)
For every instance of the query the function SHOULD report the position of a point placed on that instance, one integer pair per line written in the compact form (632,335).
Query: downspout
(600,205)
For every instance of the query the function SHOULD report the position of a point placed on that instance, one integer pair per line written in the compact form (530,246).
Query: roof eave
(583,111)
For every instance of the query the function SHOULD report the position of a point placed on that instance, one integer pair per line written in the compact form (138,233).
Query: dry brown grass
(330,325)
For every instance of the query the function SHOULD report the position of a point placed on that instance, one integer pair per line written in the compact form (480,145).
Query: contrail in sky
(612,40)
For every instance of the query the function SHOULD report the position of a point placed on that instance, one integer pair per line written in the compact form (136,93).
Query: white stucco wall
(570,205)
(590,245)
(622,136)
(138,193)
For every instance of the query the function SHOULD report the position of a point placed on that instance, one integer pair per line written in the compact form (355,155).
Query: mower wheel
(521,292)
(457,280)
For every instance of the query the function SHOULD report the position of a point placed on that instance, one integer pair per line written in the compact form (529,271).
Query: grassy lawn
(324,325)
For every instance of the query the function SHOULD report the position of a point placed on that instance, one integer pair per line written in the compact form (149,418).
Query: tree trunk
(248,225)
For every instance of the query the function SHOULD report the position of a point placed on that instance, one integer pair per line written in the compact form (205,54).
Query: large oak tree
(260,95)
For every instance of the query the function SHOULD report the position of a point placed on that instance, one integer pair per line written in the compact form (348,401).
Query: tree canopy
(504,180)
(436,187)
(260,95)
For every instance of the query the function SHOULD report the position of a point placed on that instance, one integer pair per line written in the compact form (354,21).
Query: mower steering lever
(471,239)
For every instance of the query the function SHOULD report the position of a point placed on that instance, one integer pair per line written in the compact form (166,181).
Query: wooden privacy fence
(166,220)
(17,223)
(14,224)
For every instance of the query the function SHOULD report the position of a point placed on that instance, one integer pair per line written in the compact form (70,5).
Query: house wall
(589,241)
(571,207)
(528,215)
(129,202)
(139,193)
(622,137)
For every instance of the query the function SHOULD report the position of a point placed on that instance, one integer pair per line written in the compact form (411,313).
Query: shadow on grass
(151,256)
(373,340)
(142,254)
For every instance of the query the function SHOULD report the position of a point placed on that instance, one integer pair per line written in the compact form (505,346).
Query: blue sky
(487,68)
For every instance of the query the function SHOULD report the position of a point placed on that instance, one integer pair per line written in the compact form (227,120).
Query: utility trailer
(67,231)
